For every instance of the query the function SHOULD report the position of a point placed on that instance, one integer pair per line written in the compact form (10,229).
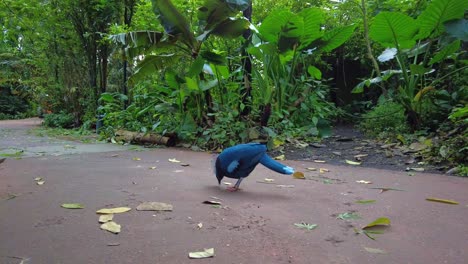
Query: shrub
(62,119)
(387,118)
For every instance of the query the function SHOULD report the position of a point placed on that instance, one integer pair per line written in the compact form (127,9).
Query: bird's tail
(272,164)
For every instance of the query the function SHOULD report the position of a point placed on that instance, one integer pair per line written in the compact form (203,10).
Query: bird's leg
(236,186)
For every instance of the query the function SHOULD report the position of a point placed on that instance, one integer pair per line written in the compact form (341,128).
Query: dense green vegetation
(218,72)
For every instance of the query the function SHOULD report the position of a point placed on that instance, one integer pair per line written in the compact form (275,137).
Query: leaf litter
(306,226)
(348,216)
(72,206)
(106,218)
(206,253)
(116,210)
(112,227)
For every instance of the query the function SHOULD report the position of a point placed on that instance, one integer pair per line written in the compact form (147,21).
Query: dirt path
(255,225)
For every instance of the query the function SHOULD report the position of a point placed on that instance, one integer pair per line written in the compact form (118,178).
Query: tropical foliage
(219,72)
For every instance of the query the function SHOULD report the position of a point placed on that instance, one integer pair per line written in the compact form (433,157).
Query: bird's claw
(233,189)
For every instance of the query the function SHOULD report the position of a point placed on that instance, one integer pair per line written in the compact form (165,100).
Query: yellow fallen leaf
(441,200)
(37,178)
(280,157)
(106,218)
(269,180)
(298,175)
(152,168)
(200,225)
(227,183)
(111,226)
(207,253)
(383,221)
(40,182)
(364,182)
(323,170)
(174,160)
(116,210)
(350,162)
(72,206)
(136,158)
(311,169)
(319,161)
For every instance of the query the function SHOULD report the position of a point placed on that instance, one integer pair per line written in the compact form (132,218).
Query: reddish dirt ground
(255,225)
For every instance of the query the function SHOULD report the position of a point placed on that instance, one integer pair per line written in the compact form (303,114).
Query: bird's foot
(233,189)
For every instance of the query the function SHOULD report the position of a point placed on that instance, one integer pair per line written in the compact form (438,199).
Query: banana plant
(183,42)
(281,43)
(410,41)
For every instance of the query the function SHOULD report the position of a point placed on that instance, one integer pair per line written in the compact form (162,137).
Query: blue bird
(239,161)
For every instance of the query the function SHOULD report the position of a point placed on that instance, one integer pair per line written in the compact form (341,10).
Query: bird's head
(218,171)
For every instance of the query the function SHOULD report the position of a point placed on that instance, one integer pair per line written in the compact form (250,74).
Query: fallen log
(168,140)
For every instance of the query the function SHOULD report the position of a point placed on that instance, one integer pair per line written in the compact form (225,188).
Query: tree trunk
(246,91)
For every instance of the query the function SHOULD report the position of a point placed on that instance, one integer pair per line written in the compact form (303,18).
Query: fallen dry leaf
(319,161)
(200,225)
(359,156)
(174,160)
(40,182)
(72,206)
(113,244)
(152,168)
(227,183)
(323,170)
(375,250)
(350,162)
(269,180)
(136,158)
(184,164)
(111,226)
(212,202)
(311,169)
(38,179)
(364,182)
(298,175)
(106,218)
(441,200)
(116,210)
(154,206)
(207,253)
(280,157)
(114,155)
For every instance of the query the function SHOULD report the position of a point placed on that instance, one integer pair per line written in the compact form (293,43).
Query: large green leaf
(437,12)
(272,26)
(151,64)
(173,21)
(445,52)
(214,12)
(141,42)
(393,30)
(231,27)
(336,37)
(313,19)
